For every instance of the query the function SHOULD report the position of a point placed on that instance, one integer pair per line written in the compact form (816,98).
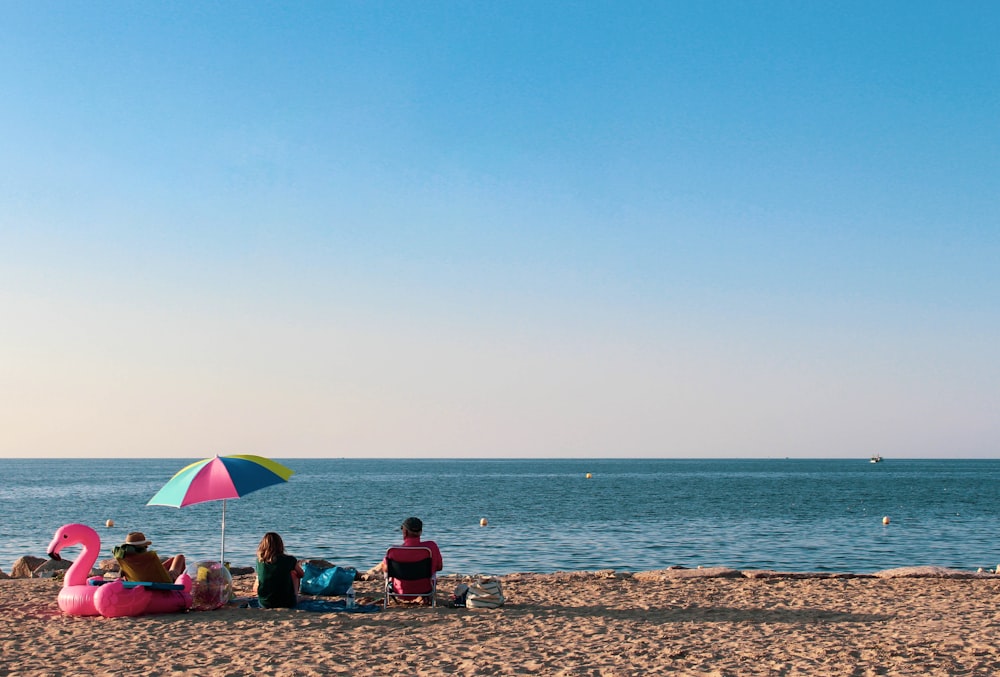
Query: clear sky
(490,229)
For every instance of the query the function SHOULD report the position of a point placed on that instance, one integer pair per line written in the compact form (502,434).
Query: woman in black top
(278,574)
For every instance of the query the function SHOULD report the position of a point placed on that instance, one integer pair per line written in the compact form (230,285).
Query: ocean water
(543,515)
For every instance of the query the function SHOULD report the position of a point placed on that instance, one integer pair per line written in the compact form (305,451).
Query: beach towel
(320,605)
(335,605)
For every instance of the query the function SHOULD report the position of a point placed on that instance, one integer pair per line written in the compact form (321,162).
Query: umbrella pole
(222,556)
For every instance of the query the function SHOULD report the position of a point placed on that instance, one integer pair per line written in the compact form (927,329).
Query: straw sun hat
(138,539)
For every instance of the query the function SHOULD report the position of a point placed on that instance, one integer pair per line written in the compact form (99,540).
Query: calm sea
(543,515)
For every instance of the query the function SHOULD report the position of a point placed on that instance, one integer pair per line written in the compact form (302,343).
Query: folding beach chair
(144,567)
(410,573)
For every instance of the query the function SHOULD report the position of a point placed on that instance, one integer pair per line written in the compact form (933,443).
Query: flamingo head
(72,534)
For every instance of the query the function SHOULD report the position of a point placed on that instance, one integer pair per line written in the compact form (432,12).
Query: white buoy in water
(589,476)
(885,520)
(483,522)
(109,523)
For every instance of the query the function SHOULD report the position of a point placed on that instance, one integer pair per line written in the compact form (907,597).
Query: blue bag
(330,581)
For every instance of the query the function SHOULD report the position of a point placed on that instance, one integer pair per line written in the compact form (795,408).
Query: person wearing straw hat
(136,544)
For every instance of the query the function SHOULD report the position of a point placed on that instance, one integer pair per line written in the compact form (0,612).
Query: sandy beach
(682,621)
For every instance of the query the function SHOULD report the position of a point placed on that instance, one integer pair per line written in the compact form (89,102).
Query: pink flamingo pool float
(113,599)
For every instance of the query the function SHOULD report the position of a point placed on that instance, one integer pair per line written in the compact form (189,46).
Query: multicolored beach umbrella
(218,479)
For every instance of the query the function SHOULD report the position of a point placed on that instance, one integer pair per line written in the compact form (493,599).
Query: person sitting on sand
(278,574)
(137,561)
(412,529)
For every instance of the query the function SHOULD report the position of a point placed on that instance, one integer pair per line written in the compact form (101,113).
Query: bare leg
(175,566)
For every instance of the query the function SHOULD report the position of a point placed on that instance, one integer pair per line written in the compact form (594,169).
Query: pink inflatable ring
(82,595)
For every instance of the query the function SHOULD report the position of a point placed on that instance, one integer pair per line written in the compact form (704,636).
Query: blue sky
(532,229)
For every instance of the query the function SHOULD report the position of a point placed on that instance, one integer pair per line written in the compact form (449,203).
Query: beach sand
(688,622)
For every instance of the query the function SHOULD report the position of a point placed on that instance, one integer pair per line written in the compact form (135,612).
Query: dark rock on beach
(50,567)
(25,566)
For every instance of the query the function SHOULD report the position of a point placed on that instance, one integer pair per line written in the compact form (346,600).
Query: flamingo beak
(55,555)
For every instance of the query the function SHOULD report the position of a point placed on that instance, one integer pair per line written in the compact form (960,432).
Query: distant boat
(875,459)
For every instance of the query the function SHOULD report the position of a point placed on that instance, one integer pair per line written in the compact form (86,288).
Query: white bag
(485,593)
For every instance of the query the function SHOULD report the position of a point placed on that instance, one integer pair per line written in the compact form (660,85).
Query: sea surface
(543,515)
